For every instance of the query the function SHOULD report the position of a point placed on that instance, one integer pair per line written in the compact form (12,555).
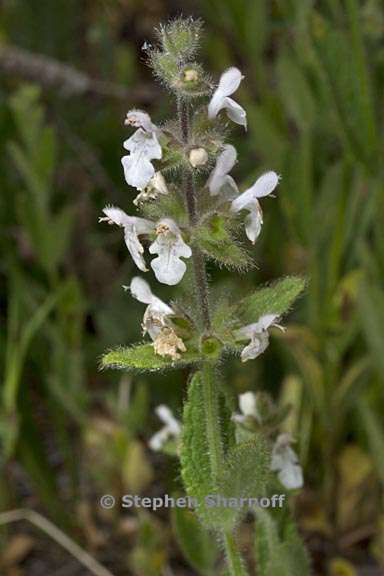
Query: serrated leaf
(142,358)
(274,299)
(216,241)
(246,469)
(195,542)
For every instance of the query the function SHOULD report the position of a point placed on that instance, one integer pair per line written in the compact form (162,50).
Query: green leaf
(142,358)
(343,66)
(371,309)
(246,469)
(274,299)
(375,434)
(195,461)
(279,553)
(195,542)
(296,94)
(216,241)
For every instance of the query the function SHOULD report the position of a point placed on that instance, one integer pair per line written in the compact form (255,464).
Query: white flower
(228,84)
(286,463)
(156,320)
(143,146)
(156,185)
(258,335)
(171,428)
(248,407)
(156,313)
(198,157)
(248,200)
(170,247)
(133,228)
(169,244)
(219,179)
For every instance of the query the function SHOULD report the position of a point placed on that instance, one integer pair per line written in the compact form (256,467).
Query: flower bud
(191,75)
(198,157)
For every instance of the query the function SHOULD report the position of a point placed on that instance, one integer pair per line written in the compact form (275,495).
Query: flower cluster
(170,240)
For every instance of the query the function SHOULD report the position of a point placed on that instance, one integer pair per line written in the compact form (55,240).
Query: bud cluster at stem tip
(173,60)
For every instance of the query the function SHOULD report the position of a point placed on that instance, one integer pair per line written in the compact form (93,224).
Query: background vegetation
(314,96)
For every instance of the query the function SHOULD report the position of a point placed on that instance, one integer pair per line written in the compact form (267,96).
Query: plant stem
(190,198)
(211,392)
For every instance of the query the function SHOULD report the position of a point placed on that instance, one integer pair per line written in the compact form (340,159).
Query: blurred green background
(69,71)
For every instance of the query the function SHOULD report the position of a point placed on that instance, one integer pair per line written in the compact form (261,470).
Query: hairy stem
(190,198)
(211,392)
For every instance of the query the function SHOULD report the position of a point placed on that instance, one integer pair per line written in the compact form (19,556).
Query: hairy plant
(192,211)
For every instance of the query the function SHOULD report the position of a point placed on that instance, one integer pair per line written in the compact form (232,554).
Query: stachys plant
(192,212)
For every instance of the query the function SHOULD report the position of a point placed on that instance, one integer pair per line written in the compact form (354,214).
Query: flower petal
(135,249)
(138,170)
(158,183)
(253,223)
(141,290)
(115,215)
(265,322)
(285,461)
(230,81)
(219,175)
(159,439)
(144,147)
(171,429)
(228,84)
(235,112)
(170,247)
(247,403)
(257,346)
(264,185)
(166,416)
(133,227)
(145,143)
(291,476)
(139,119)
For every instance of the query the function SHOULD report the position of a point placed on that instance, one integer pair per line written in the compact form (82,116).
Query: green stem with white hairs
(210,385)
